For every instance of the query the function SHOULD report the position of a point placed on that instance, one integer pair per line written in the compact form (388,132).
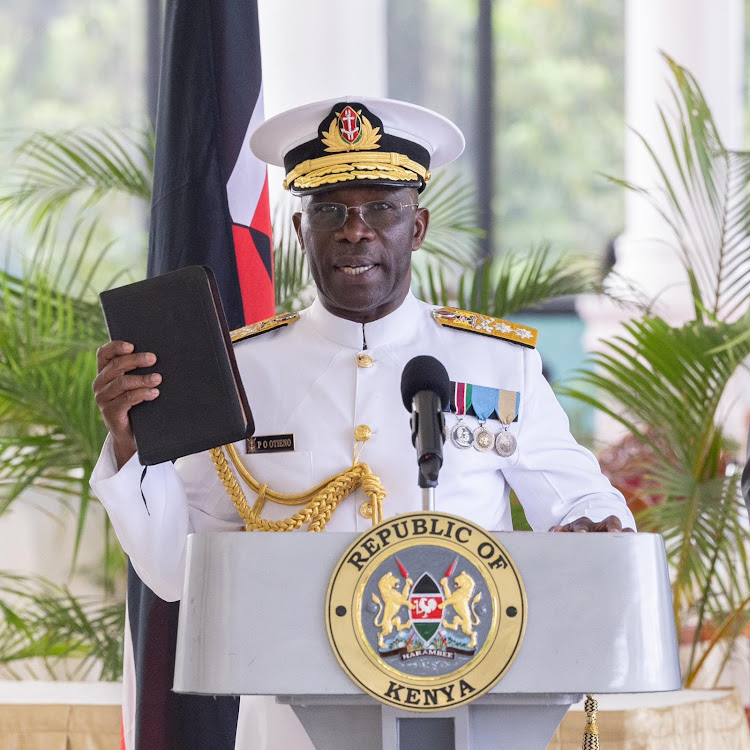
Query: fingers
(115,410)
(115,401)
(111,390)
(121,363)
(116,390)
(611,525)
(109,351)
(580,525)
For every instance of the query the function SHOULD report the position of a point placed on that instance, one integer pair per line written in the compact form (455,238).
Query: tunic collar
(394,327)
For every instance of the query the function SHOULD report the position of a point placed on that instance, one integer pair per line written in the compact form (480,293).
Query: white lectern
(600,620)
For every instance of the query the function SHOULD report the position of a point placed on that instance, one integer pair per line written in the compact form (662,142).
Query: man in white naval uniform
(337,369)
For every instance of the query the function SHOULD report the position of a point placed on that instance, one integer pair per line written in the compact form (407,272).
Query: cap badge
(350,130)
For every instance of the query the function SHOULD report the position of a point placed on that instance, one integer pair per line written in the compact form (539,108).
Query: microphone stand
(428,499)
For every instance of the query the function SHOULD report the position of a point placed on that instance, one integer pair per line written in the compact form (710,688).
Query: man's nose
(355,229)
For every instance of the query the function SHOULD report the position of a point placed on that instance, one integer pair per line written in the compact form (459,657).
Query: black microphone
(425,390)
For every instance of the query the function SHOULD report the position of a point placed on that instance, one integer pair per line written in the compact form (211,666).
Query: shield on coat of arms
(349,125)
(426,614)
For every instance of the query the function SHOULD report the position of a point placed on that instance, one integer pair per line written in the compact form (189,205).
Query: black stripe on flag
(210,84)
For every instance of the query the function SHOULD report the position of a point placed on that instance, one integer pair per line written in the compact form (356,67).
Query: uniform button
(362,433)
(365,510)
(364,360)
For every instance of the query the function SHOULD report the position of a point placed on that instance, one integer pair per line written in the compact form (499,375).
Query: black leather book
(201,402)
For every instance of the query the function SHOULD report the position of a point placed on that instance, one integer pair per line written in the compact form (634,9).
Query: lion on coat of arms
(463,605)
(393,600)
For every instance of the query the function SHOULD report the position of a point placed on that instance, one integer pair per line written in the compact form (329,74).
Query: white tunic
(304,379)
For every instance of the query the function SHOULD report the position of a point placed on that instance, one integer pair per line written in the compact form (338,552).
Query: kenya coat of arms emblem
(426,611)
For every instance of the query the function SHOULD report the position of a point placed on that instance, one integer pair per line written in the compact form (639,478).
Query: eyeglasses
(330,217)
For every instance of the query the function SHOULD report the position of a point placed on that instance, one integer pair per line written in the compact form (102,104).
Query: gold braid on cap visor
(327,170)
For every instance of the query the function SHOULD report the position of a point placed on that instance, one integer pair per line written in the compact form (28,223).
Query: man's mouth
(356,270)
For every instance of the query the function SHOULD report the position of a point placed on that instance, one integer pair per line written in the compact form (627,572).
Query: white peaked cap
(384,141)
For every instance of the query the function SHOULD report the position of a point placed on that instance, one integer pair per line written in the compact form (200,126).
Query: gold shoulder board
(263,326)
(485,325)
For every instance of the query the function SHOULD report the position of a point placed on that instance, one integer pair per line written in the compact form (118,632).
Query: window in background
(72,65)
(64,63)
(559,107)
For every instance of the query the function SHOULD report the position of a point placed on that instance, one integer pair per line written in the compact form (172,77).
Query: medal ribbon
(507,406)
(463,396)
(460,398)
(484,401)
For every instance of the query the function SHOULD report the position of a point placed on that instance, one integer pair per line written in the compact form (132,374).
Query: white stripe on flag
(249,174)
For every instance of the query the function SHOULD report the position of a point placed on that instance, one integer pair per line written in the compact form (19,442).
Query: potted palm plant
(665,383)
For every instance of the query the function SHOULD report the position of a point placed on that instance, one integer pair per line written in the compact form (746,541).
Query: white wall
(320,50)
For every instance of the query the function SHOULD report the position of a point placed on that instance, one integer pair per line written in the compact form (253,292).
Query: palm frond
(51,430)
(670,379)
(665,385)
(292,280)
(452,236)
(512,282)
(51,170)
(705,200)
(73,637)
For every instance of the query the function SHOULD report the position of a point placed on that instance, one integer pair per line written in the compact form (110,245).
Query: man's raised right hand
(117,392)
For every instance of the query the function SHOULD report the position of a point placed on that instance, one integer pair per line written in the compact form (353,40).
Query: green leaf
(52,170)
(513,282)
(705,198)
(665,384)
(75,637)
(51,431)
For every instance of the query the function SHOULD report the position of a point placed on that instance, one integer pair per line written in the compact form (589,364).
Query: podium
(600,620)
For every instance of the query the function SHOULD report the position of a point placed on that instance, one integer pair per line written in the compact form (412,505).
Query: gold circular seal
(426,611)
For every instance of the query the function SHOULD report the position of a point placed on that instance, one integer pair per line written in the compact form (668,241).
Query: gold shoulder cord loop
(320,502)
(591,733)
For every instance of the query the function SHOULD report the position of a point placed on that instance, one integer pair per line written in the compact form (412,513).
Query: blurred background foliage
(68,62)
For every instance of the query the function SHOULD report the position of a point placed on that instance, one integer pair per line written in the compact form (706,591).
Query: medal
(506,443)
(483,401)
(507,411)
(461,435)
(484,440)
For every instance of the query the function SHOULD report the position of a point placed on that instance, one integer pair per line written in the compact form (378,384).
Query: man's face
(362,273)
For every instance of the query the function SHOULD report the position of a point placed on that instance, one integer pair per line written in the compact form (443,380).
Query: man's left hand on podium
(611,524)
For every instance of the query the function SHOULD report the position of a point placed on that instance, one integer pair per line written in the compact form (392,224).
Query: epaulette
(263,326)
(486,326)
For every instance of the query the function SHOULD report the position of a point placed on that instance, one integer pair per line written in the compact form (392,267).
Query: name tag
(270,443)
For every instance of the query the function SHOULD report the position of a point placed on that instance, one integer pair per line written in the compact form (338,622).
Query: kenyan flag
(426,615)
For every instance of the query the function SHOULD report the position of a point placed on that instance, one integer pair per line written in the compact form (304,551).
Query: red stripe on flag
(257,287)
(122,735)
(262,217)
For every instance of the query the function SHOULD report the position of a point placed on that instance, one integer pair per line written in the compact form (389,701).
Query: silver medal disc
(461,435)
(506,443)
(484,440)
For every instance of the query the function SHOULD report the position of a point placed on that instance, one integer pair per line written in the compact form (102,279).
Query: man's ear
(297,223)
(421,222)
